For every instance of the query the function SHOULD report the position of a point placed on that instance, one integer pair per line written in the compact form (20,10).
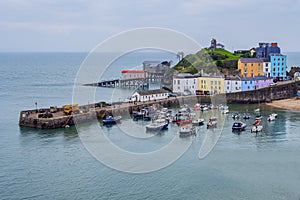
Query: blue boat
(238,126)
(111,120)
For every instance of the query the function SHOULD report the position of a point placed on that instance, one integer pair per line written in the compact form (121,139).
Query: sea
(57,164)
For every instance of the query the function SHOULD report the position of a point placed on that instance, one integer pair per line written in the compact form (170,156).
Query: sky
(79,25)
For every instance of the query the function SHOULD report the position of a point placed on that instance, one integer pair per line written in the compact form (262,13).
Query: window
(174,82)
(211,82)
(227,88)
(201,81)
(252,65)
(178,82)
(245,64)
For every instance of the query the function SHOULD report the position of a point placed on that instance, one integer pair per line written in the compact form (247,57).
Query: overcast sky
(79,25)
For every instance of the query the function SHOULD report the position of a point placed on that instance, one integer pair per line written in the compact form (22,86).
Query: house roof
(250,60)
(150,92)
(256,78)
(133,71)
(232,78)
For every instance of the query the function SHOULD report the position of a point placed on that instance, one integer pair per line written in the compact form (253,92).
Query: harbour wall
(92,112)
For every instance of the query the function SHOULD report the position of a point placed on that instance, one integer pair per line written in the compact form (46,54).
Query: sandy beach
(288,104)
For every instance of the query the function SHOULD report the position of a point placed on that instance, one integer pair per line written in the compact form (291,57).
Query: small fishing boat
(198,122)
(257,128)
(274,115)
(271,117)
(225,111)
(203,107)
(246,116)
(197,106)
(235,116)
(157,125)
(187,130)
(111,120)
(212,122)
(257,110)
(239,126)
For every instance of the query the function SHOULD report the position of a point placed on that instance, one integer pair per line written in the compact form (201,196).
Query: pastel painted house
(278,65)
(248,84)
(262,81)
(250,67)
(185,83)
(211,84)
(233,84)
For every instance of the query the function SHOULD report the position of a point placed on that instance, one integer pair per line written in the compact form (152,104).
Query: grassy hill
(208,61)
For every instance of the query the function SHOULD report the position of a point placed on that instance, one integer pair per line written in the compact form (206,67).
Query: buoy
(67,126)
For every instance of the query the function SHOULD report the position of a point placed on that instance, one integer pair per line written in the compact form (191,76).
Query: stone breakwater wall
(91,112)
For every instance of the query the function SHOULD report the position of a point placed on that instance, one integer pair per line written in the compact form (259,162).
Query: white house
(133,74)
(233,84)
(149,95)
(267,68)
(185,83)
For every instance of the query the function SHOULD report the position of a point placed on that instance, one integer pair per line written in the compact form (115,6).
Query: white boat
(235,116)
(257,110)
(257,128)
(212,123)
(198,122)
(272,117)
(225,111)
(275,115)
(157,126)
(187,130)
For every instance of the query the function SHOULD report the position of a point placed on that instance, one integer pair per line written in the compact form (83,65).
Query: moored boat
(246,116)
(157,125)
(235,116)
(257,128)
(111,120)
(239,126)
(198,122)
(212,122)
(187,130)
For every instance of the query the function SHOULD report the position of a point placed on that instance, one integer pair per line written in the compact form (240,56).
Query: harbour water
(54,164)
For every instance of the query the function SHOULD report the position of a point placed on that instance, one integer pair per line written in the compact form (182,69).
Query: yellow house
(250,67)
(213,85)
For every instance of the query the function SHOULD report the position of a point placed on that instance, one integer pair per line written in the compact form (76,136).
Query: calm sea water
(54,164)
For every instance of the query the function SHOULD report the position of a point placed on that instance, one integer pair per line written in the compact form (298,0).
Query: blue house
(248,84)
(265,49)
(278,65)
